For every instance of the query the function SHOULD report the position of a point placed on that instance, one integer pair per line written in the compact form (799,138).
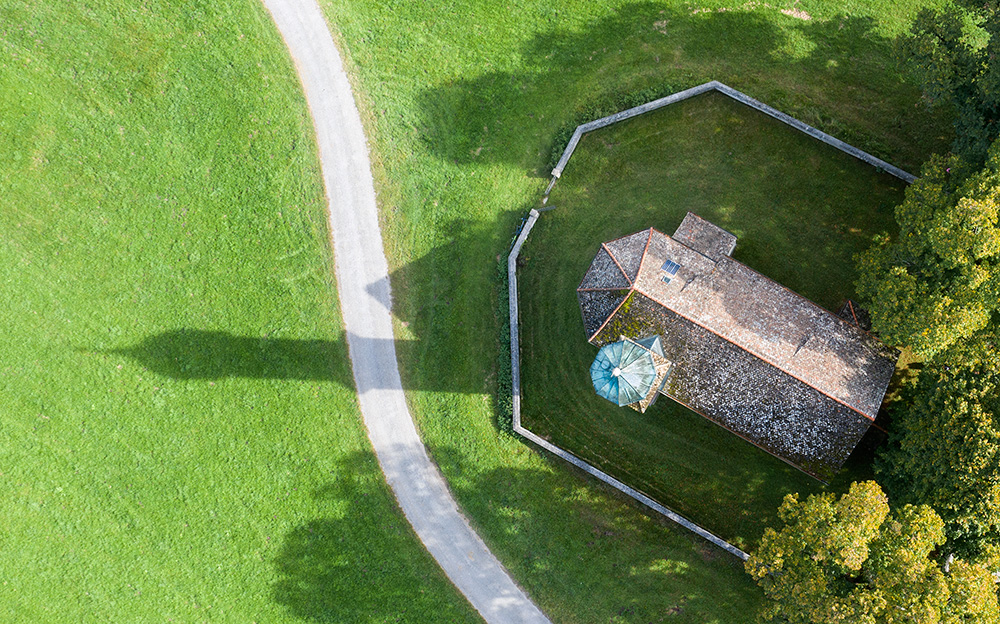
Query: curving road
(363,285)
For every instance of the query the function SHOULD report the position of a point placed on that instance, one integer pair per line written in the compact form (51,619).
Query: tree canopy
(938,281)
(851,560)
(954,54)
(934,288)
(945,447)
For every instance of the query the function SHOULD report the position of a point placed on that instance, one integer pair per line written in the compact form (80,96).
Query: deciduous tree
(938,281)
(945,447)
(953,52)
(850,560)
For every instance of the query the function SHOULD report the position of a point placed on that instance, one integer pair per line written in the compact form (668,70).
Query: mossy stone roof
(785,339)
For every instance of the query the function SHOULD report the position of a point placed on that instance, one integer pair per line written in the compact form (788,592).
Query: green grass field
(179,436)
(800,208)
(462,102)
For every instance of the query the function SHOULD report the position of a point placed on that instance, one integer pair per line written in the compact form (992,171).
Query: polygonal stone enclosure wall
(532,218)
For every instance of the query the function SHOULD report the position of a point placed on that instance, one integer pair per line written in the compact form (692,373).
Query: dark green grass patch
(179,436)
(800,208)
(463,102)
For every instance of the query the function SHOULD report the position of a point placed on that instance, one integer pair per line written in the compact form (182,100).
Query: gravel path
(363,284)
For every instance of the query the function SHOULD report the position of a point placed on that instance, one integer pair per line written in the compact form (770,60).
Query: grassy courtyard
(179,436)
(800,208)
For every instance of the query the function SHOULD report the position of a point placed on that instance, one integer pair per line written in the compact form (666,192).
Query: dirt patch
(797,13)
(794,11)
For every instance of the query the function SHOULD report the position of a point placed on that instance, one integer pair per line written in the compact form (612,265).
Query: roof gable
(628,251)
(705,237)
(597,306)
(604,273)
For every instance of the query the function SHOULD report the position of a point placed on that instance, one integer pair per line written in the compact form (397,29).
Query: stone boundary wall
(739,96)
(515,357)
(515,342)
(515,369)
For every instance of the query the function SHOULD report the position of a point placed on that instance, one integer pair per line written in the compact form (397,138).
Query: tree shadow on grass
(834,74)
(618,547)
(559,536)
(336,569)
(628,564)
(837,74)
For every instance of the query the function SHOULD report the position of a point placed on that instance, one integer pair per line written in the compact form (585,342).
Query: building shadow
(453,294)
(194,354)
(427,361)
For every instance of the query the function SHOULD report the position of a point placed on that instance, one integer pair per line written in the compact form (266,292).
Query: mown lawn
(800,208)
(179,436)
(462,102)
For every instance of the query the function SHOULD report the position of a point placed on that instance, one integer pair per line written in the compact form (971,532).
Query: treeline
(934,289)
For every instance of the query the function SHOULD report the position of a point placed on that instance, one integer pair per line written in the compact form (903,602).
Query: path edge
(365,301)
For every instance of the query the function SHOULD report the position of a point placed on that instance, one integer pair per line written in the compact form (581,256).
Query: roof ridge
(645,250)
(605,247)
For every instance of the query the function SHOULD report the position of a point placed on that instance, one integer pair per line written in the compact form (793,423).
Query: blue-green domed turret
(623,372)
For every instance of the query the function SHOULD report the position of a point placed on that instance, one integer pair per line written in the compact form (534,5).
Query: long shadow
(615,553)
(194,354)
(199,354)
(646,46)
(450,269)
(320,580)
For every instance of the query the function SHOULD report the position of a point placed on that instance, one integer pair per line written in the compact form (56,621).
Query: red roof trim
(645,250)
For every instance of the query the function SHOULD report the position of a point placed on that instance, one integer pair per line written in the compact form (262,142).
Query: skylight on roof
(670,268)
